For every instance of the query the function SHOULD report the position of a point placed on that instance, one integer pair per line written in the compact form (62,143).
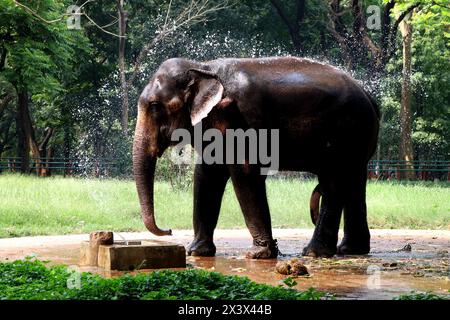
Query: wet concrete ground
(386,272)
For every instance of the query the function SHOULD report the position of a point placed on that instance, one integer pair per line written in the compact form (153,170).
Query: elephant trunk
(144,164)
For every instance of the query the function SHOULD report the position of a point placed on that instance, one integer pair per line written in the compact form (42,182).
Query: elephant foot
(201,248)
(263,250)
(354,248)
(317,249)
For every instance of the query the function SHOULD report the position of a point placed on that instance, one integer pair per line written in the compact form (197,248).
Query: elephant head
(179,95)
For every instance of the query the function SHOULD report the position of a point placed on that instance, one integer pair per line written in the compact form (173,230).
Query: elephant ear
(208,93)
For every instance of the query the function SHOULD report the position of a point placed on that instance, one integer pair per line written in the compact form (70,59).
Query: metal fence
(62,166)
(420,169)
(377,169)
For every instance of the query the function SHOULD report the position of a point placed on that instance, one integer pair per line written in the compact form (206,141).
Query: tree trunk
(5,139)
(49,155)
(25,130)
(3,53)
(386,30)
(23,147)
(67,150)
(293,26)
(5,102)
(123,79)
(45,154)
(406,148)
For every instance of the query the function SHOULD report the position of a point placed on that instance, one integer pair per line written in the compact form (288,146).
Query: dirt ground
(389,270)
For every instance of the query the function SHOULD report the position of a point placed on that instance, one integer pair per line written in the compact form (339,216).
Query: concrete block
(101,237)
(132,255)
(89,250)
(88,256)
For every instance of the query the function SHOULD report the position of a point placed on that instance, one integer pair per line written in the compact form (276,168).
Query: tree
(430,90)
(406,148)
(37,57)
(123,80)
(362,47)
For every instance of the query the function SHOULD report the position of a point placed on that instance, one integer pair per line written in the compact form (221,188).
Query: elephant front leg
(250,189)
(209,185)
(325,237)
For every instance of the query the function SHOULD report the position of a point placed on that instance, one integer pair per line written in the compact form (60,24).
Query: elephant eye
(155,106)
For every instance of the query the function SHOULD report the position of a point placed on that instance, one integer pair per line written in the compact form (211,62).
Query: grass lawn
(37,206)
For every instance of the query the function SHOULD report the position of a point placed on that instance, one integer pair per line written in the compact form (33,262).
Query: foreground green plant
(31,279)
(422,296)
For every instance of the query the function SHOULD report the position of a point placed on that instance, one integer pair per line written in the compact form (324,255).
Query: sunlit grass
(56,205)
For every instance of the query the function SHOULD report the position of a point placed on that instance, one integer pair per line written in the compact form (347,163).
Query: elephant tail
(314,204)
(376,129)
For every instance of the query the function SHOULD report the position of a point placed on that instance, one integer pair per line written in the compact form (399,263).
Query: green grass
(32,280)
(56,205)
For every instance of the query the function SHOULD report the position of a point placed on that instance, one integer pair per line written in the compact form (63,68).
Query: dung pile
(291,267)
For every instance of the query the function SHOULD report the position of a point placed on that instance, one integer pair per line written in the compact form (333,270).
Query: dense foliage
(31,279)
(71,80)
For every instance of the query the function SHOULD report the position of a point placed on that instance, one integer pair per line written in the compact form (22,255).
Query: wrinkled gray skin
(328,126)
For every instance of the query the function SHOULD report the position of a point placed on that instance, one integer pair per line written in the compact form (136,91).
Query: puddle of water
(344,280)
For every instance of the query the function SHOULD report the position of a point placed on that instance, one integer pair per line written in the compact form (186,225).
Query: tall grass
(56,205)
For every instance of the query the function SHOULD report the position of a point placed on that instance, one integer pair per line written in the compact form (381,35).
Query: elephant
(327,122)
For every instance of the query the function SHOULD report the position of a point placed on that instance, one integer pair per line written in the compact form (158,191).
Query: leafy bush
(31,279)
(180,176)
(422,296)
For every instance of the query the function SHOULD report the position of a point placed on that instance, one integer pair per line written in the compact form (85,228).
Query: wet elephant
(328,125)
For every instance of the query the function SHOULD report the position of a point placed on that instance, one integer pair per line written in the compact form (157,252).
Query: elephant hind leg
(325,237)
(314,204)
(356,230)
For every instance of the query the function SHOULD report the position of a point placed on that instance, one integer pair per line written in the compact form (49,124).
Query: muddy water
(387,272)
(346,279)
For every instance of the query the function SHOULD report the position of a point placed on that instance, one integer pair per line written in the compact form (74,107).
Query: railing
(64,166)
(377,169)
(419,169)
